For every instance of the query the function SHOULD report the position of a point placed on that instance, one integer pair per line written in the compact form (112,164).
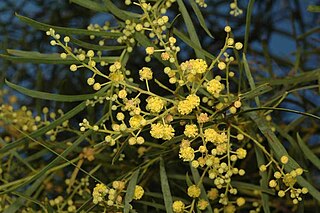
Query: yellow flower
(214,87)
(289,180)
(185,107)
(186,153)
(136,121)
(191,130)
(202,204)
(178,206)
(213,194)
(138,192)
(240,201)
(194,191)
(116,76)
(145,73)
(210,135)
(150,50)
(164,131)
(241,153)
(213,136)
(229,209)
(99,192)
(202,118)
(155,104)
(193,99)
(194,66)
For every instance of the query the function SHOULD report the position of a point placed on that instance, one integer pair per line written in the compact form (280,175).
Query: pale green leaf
(130,190)
(165,187)
(54,97)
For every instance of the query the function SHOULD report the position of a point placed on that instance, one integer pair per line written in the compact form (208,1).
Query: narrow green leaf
(302,78)
(259,90)
(130,190)
(54,97)
(249,186)
(314,8)
(165,187)
(203,195)
(190,43)
(21,56)
(91,5)
(201,20)
(308,153)
(191,29)
(248,22)
(66,30)
(249,77)
(120,14)
(264,179)
(152,204)
(94,46)
(188,180)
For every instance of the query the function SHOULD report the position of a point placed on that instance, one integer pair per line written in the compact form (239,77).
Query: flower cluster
(199,115)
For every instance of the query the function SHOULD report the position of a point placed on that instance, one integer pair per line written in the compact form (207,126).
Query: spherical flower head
(162,131)
(213,194)
(221,138)
(214,87)
(122,94)
(273,183)
(168,132)
(221,148)
(240,201)
(150,50)
(194,66)
(99,192)
(118,185)
(227,29)
(165,56)
(191,130)
(145,73)
(155,104)
(221,65)
(241,153)
(116,76)
(138,192)
(202,204)
(238,46)
(194,191)
(202,118)
(210,135)
(178,206)
(185,143)
(185,107)
(136,121)
(194,100)
(289,180)
(186,153)
(229,209)
(284,159)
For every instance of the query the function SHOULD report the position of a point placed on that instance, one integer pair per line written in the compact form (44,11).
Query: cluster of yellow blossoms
(199,104)
(185,107)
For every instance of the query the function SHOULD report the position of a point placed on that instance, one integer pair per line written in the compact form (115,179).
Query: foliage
(183,127)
